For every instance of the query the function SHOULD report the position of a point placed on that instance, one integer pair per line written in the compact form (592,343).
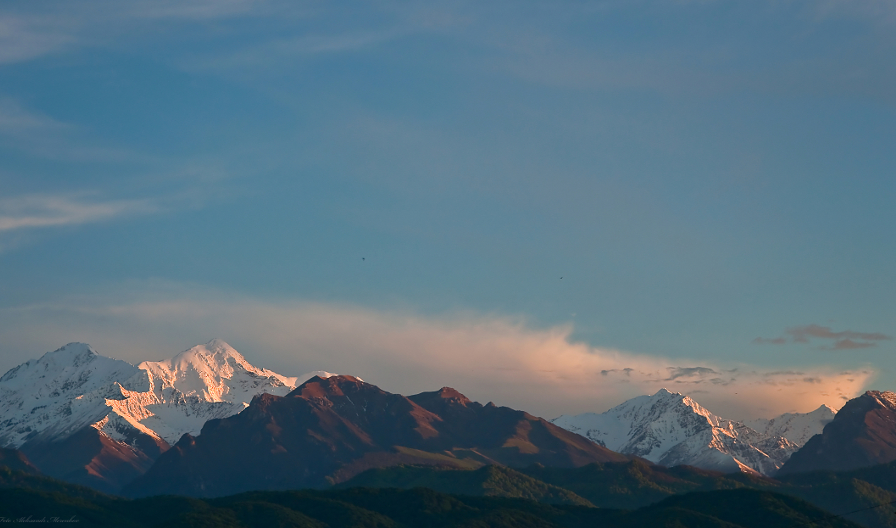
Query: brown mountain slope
(91,458)
(15,459)
(329,430)
(863,433)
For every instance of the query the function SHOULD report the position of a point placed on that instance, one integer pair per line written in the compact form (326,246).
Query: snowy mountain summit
(178,395)
(62,391)
(796,427)
(671,429)
(214,372)
(135,412)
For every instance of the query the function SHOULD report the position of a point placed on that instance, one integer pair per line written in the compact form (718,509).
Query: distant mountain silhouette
(328,430)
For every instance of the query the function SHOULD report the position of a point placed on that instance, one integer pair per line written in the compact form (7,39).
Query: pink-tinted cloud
(844,340)
(487,357)
(849,344)
(803,333)
(770,341)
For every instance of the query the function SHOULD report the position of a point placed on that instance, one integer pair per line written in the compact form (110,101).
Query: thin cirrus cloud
(29,32)
(274,54)
(42,136)
(43,211)
(15,119)
(548,56)
(843,340)
(27,37)
(488,357)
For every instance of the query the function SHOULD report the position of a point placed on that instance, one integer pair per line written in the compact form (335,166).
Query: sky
(555,206)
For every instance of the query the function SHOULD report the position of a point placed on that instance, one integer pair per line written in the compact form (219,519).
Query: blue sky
(713,181)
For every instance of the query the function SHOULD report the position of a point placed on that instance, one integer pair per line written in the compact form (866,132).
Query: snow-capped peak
(60,390)
(796,427)
(215,372)
(76,367)
(646,426)
(75,387)
(72,355)
(886,399)
(216,354)
(73,351)
(671,429)
(319,373)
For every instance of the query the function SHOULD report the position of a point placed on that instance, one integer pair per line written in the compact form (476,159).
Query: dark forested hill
(394,508)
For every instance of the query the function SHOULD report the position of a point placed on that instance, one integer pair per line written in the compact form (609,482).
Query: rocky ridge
(862,434)
(329,430)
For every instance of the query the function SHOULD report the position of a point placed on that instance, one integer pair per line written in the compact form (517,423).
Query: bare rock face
(862,434)
(102,422)
(671,429)
(328,430)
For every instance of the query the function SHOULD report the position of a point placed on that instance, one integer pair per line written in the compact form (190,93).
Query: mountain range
(207,422)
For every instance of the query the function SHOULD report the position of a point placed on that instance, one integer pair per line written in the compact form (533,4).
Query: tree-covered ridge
(26,496)
(489,481)
(863,496)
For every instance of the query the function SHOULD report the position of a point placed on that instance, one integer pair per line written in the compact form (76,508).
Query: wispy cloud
(489,357)
(41,211)
(801,334)
(280,54)
(689,372)
(849,344)
(533,44)
(28,31)
(17,121)
(770,341)
(880,11)
(193,9)
(40,135)
(26,37)
(843,340)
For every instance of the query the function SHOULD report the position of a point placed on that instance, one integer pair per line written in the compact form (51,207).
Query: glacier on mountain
(672,429)
(50,398)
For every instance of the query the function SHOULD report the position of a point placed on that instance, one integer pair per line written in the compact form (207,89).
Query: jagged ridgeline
(328,430)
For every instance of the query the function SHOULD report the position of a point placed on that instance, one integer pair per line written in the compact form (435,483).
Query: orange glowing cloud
(489,358)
